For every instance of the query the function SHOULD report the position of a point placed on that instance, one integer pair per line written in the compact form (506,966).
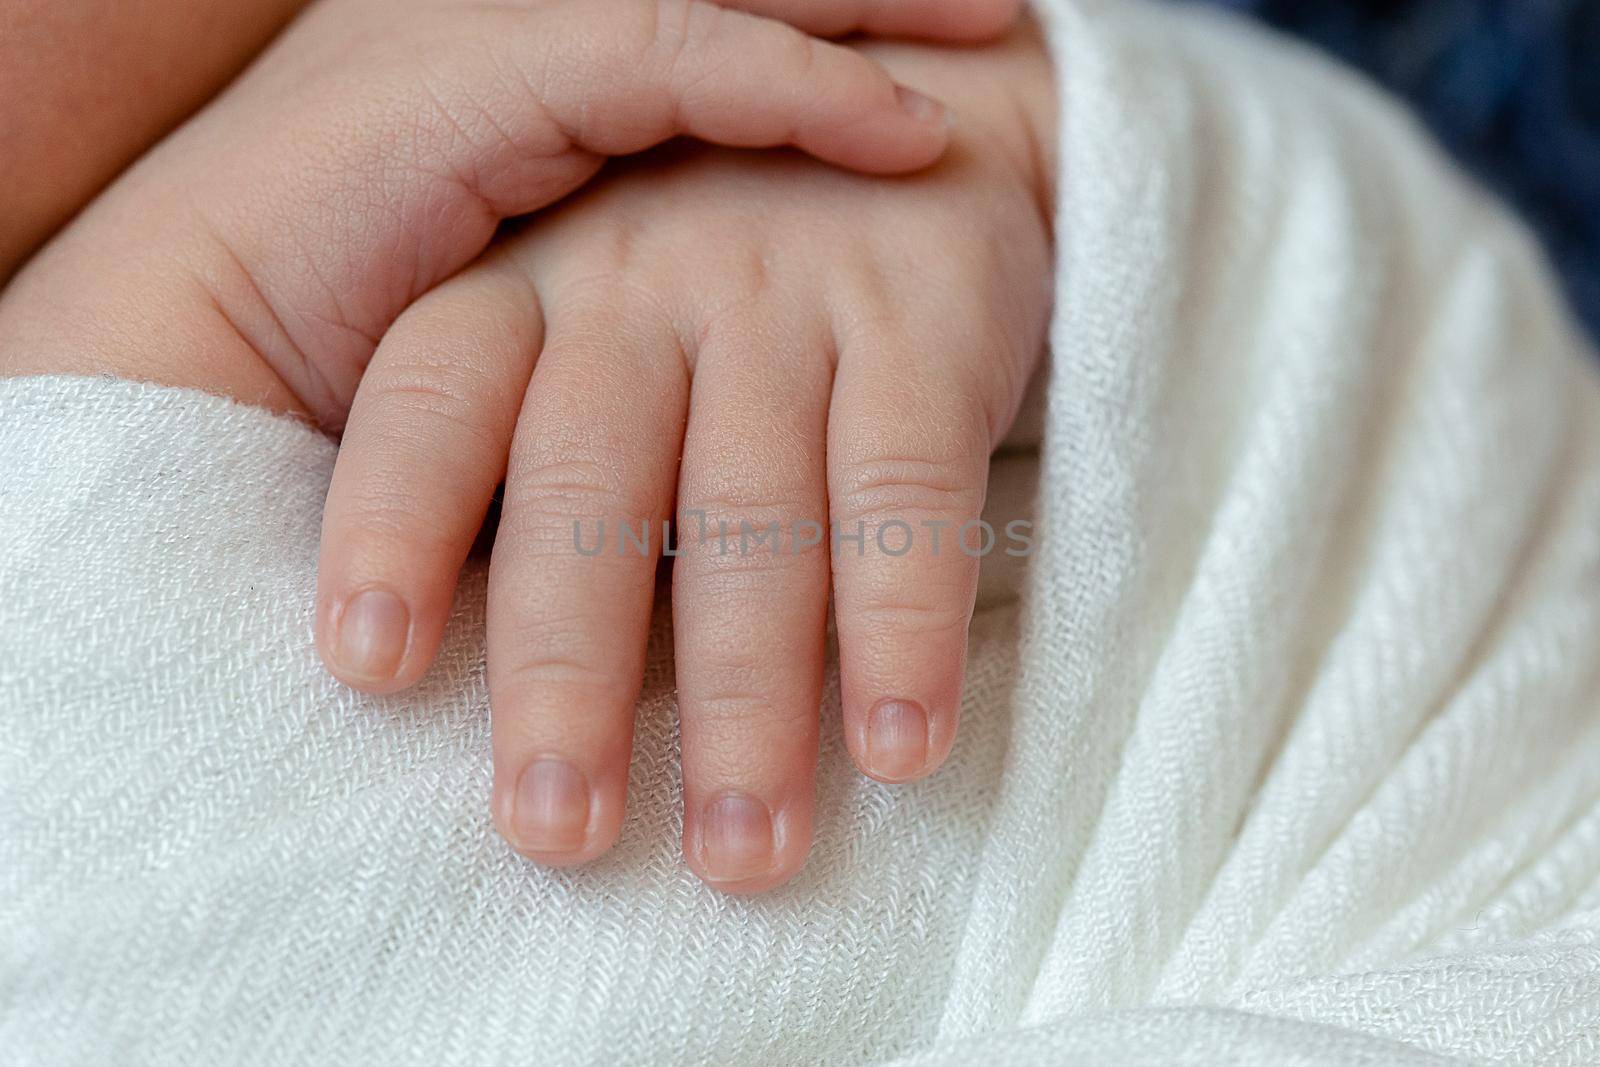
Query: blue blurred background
(1512,87)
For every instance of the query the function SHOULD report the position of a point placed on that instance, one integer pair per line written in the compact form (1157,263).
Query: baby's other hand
(723,337)
(372,151)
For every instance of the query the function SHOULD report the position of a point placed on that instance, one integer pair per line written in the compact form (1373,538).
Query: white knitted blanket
(1287,753)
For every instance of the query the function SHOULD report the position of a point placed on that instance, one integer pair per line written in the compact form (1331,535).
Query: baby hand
(371,153)
(747,342)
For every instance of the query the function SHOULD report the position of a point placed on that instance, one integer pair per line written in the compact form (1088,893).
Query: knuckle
(732,505)
(542,670)
(692,48)
(746,581)
(427,401)
(624,282)
(504,298)
(560,491)
(748,534)
(381,516)
(444,114)
(673,28)
(805,53)
(921,617)
(735,706)
(423,388)
(613,252)
(889,487)
(830,76)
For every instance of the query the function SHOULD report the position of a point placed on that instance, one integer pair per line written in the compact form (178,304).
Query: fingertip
(897,741)
(367,638)
(735,843)
(910,135)
(921,107)
(552,812)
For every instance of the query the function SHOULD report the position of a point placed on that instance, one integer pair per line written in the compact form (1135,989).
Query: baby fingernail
(736,838)
(920,107)
(897,739)
(373,628)
(550,812)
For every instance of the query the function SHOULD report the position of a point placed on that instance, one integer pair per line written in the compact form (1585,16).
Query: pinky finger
(907,462)
(425,446)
